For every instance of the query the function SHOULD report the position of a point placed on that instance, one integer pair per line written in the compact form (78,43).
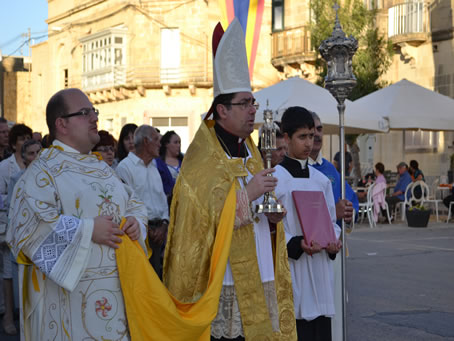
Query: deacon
(64,229)
(310,265)
(255,300)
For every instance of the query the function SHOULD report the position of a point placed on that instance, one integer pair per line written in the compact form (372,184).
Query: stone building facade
(422,35)
(149,61)
(15,89)
(138,61)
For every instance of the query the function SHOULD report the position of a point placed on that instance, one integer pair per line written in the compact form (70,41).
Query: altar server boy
(310,264)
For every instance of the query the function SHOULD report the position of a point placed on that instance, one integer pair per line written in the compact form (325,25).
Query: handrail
(292,41)
(145,75)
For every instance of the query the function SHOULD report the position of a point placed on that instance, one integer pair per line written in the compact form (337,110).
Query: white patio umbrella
(407,105)
(300,92)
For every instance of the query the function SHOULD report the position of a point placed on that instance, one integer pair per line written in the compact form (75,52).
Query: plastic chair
(386,206)
(365,208)
(433,189)
(403,204)
(426,197)
(449,211)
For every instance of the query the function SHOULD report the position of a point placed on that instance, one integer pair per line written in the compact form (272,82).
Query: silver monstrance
(268,144)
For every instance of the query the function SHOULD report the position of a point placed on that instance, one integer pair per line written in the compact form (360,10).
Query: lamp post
(338,51)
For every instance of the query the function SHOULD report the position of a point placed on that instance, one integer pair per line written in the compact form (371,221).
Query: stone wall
(16,90)
(69,21)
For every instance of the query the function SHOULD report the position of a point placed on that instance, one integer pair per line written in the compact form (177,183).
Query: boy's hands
(334,248)
(313,248)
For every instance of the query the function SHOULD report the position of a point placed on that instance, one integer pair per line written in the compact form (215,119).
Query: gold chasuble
(199,197)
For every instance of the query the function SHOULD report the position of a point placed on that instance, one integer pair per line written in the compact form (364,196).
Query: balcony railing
(154,74)
(294,42)
(107,77)
(146,75)
(407,18)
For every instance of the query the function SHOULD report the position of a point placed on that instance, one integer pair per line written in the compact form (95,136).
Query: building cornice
(74,11)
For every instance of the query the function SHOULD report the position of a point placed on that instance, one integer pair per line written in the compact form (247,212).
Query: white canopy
(300,92)
(407,105)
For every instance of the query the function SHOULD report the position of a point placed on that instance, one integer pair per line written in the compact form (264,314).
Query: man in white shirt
(139,171)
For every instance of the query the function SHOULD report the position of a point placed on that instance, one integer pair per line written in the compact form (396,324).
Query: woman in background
(126,141)
(378,193)
(415,172)
(169,161)
(106,147)
(416,175)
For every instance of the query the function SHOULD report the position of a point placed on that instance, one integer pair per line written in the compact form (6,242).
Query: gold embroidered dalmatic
(205,178)
(70,287)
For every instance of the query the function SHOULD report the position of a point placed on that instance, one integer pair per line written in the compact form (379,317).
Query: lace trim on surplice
(227,322)
(54,245)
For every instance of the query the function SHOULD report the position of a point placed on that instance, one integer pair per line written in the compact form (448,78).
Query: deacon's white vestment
(70,290)
(312,276)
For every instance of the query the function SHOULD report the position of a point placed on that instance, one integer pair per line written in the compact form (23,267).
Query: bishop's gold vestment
(199,196)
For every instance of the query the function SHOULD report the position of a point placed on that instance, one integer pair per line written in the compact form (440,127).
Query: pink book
(314,217)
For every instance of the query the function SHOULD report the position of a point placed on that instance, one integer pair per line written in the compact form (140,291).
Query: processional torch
(268,144)
(338,51)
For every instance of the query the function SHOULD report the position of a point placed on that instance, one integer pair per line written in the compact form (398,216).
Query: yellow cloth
(153,313)
(198,197)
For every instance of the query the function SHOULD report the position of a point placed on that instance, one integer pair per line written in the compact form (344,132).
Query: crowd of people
(19,146)
(223,270)
(407,174)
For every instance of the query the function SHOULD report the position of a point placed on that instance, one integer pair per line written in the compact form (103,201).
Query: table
(361,189)
(443,189)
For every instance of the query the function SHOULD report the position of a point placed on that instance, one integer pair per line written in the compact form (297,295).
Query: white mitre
(230,66)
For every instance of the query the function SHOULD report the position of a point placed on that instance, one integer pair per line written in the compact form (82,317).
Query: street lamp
(338,51)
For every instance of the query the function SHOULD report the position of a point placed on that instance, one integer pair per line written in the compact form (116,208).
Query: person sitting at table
(416,175)
(364,182)
(378,193)
(401,185)
(415,172)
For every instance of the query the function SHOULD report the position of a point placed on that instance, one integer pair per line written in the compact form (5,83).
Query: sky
(16,17)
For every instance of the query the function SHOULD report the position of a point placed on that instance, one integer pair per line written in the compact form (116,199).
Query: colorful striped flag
(249,14)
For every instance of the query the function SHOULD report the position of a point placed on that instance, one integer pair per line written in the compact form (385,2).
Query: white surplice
(72,290)
(312,276)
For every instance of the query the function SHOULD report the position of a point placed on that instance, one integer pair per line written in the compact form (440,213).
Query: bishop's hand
(260,184)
